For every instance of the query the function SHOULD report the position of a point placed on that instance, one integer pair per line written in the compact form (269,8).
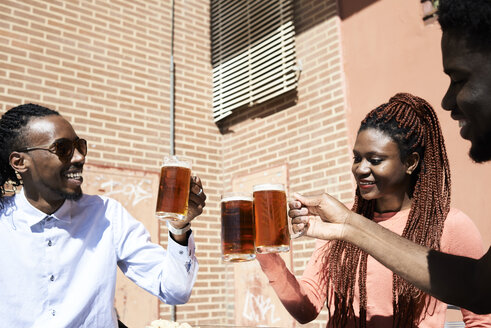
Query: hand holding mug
(320,216)
(197,199)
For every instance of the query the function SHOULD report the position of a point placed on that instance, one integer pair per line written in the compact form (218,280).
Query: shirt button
(50,243)
(181,252)
(52,278)
(53,313)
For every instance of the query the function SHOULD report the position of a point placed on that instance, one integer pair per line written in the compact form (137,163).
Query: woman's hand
(320,216)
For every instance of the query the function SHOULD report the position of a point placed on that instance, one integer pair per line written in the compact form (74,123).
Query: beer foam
(232,198)
(176,161)
(269,186)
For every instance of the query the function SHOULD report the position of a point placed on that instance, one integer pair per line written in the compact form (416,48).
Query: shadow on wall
(348,8)
(309,13)
(262,110)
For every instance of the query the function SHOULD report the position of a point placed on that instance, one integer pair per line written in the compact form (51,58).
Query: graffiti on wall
(259,309)
(133,191)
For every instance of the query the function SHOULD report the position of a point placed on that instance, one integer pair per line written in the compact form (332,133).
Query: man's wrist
(358,230)
(177,231)
(181,239)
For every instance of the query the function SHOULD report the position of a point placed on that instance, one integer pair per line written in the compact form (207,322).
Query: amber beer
(272,233)
(172,199)
(237,227)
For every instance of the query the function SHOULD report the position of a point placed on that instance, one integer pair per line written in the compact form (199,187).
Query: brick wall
(105,66)
(102,64)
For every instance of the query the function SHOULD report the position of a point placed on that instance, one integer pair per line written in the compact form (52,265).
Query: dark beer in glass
(272,231)
(237,227)
(173,196)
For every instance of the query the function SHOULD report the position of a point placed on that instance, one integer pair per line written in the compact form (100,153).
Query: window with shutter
(253,53)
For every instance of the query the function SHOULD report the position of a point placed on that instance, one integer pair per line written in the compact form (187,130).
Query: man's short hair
(468,18)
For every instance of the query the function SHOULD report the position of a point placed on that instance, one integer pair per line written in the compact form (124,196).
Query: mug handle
(298,234)
(295,235)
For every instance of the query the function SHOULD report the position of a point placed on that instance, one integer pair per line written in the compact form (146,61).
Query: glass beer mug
(270,215)
(173,196)
(237,227)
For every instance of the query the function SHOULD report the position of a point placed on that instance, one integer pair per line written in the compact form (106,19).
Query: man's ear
(412,162)
(17,161)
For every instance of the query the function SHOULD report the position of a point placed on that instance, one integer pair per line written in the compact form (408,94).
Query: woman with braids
(403,183)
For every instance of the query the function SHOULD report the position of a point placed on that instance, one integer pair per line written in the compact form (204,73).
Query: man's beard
(70,195)
(480,151)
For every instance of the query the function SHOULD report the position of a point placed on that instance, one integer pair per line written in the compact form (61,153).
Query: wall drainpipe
(172,115)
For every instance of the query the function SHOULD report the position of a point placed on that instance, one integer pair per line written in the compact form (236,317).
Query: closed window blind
(253,53)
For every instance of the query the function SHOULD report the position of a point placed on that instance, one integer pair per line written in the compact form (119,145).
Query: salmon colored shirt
(308,294)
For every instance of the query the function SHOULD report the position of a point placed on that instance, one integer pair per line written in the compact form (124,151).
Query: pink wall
(387,48)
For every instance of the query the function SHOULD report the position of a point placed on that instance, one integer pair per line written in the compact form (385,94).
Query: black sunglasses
(63,148)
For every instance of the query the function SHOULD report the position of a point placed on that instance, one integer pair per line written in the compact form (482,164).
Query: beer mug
(173,196)
(237,227)
(270,215)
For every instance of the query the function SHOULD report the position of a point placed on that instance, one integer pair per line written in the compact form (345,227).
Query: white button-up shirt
(60,270)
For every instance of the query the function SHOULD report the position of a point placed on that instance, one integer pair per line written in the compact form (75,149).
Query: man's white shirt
(60,270)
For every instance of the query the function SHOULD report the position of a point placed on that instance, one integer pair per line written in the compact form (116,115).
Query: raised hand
(319,216)
(197,198)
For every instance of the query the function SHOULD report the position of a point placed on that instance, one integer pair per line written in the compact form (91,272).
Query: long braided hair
(412,123)
(12,136)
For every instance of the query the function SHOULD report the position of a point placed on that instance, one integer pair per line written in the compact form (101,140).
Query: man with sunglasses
(60,248)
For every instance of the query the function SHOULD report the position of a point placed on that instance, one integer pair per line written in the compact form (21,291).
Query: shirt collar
(379,217)
(33,216)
